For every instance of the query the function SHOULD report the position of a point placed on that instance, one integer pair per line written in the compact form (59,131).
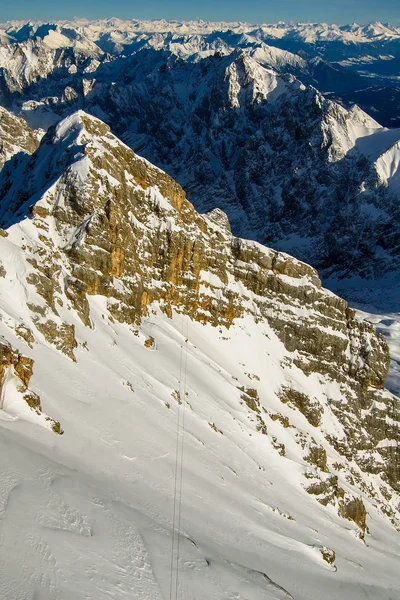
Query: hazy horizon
(339,12)
(78,19)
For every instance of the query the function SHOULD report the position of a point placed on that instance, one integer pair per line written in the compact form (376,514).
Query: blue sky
(331,11)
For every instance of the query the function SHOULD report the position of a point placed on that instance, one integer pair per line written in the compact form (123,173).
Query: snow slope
(89,514)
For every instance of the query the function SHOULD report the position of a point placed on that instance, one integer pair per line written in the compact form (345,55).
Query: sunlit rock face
(92,219)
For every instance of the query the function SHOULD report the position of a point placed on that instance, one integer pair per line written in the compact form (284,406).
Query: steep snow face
(249,83)
(388,166)
(279,59)
(141,314)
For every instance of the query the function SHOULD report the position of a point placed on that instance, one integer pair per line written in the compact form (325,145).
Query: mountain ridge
(108,276)
(109,281)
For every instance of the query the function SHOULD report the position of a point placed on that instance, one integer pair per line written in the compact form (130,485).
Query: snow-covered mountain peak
(359,116)
(110,281)
(76,129)
(277,58)
(75,148)
(252,82)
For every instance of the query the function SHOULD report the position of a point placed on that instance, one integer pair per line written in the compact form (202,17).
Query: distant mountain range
(354,63)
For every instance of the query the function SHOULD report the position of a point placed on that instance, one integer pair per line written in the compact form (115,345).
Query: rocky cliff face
(95,220)
(15,137)
(15,374)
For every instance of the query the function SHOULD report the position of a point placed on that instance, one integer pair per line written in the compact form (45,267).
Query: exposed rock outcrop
(15,136)
(16,371)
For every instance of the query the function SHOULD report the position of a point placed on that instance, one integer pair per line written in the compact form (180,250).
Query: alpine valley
(185,410)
